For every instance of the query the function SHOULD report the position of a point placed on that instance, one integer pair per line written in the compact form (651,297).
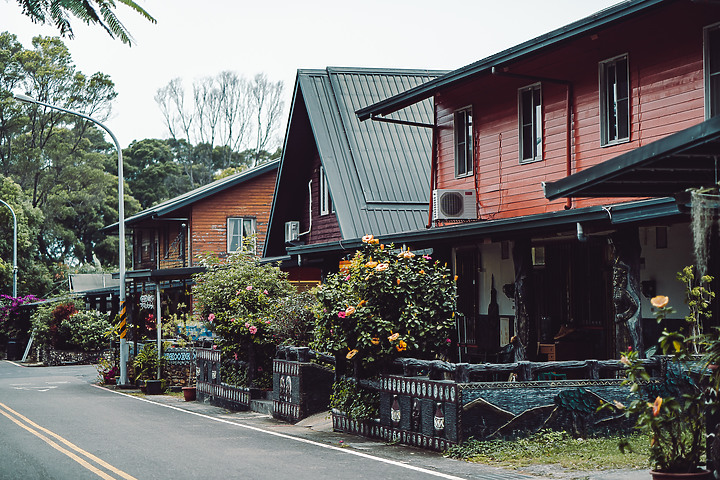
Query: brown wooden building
(169,238)
(570,276)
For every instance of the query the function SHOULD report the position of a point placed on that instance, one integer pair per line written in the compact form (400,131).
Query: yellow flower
(375,341)
(371,264)
(351,354)
(660,301)
(349,310)
(367,238)
(422,272)
(401,346)
(381,267)
(656,406)
(394,337)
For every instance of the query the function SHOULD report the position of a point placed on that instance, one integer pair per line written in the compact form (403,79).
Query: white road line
(297,439)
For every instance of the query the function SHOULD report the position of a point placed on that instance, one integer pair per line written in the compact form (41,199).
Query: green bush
(355,401)
(87,330)
(389,303)
(61,326)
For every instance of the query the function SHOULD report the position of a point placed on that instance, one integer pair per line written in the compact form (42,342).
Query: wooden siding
(666,77)
(167,235)
(325,228)
(208,218)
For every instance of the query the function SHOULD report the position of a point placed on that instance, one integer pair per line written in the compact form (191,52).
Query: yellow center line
(70,454)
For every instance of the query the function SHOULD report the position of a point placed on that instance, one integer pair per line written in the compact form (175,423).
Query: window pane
(714,95)
(714,50)
(469,144)
(233,232)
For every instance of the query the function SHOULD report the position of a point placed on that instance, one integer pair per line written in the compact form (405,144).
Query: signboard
(147,301)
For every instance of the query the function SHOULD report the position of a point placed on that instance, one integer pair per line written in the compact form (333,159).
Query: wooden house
(169,238)
(554,174)
(340,179)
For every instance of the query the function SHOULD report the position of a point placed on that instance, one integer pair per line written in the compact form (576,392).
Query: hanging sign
(147,301)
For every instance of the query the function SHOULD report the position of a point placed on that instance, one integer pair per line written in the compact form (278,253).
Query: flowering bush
(12,322)
(237,298)
(388,304)
(63,327)
(673,413)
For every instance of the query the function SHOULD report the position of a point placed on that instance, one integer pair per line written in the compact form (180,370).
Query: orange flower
(381,267)
(398,281)
(361,303)
(455,279)
(371,264)
(367,239)
(422,272)
(375,341)
(374,241)
(349,310)
(382,246)
(394,337)
(656,406)
(401,346)
(351,354)
(660,301)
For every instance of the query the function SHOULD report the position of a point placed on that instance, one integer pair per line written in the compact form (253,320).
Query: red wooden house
(169,238)
(571,273)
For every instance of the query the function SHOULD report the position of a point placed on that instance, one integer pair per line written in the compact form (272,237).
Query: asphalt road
(55,424)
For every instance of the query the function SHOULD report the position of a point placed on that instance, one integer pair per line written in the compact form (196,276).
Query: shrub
(61,326)
(238,299)
(357,402)
(389,303)
(87,330)
(294,320)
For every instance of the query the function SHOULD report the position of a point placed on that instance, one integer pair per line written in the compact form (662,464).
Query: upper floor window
(712,71)
(614,101)
(326,205)
(463,142)
(240,230)
(530,120)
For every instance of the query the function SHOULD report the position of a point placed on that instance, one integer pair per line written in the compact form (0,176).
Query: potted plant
(146,365)
(673,413)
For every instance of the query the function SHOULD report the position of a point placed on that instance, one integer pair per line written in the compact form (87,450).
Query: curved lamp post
(121,220)
(15,267)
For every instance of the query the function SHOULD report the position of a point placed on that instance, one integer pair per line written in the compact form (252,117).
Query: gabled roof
(176,203)
(554,39)
(378,173)
(663,168)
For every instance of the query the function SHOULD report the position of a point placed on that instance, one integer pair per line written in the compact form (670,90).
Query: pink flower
(265,292)
(211,317)
(253,330)
(448,340)
(214,347)
(347,279)
(427,257)
(235,355)
(238,292)
(248,288)
(341,314)
(247,325)
(260,369)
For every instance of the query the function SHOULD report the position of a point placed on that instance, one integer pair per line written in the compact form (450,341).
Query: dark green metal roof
(176,203)
(689,158)
(585,26)
(378,173)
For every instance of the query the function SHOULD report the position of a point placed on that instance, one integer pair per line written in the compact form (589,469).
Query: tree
(100,12)
(152,173)
(227,111)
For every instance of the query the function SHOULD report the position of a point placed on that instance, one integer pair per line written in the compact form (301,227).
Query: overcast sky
(195,38)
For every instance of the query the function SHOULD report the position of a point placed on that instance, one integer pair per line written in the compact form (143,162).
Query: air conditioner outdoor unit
(454,204)
(292,231)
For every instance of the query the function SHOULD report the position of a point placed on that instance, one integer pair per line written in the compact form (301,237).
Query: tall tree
(98,12)
(226,110)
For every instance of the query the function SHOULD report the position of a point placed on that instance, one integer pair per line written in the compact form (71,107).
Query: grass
(556,448)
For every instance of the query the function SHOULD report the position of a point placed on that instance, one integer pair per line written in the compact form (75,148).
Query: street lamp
(15,267)
(121,222)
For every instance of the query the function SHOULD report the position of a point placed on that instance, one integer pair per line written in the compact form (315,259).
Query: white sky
(196,38)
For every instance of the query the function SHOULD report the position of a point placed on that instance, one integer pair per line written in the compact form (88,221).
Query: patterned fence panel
(300,389)
(210,387)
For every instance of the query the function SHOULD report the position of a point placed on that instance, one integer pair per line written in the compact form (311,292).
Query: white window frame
(326,203)
(535,124)
(610,131)
(463,137)
(708,75)
(239,237)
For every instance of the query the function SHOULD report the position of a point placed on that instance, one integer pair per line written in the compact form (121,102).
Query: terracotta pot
(189,393)
(699,475)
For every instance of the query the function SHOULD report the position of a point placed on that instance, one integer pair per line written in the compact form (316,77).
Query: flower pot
(153,387)
(699,475)
(189,393)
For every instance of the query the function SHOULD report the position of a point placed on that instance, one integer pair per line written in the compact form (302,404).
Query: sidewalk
(318,428)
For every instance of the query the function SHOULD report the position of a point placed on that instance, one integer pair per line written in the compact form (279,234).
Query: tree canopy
(98,12)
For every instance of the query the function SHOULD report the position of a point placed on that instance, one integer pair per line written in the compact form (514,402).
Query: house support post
(626,291)
(524,324)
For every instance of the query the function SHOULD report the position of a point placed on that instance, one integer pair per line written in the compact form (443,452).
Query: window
(326,204)
(712,71)
(138,245)
(463,142)
(238,230)
(530,119)
(614,101)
